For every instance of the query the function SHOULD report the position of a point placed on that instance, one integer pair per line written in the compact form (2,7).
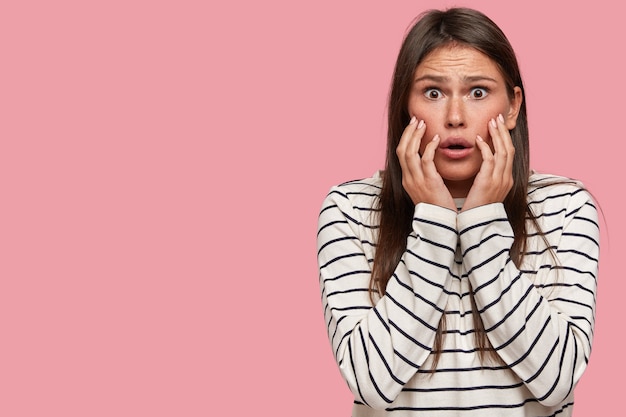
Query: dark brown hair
(435,29)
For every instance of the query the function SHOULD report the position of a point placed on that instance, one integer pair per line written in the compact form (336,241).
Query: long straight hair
(435,29)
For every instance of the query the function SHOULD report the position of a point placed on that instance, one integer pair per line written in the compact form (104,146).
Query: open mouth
(456,148)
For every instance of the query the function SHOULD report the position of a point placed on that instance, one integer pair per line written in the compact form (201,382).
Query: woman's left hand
(495,177)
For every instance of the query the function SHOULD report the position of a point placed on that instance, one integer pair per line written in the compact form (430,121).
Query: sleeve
(542,332)
(379,348)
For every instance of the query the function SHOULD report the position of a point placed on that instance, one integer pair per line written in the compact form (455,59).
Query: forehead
(458,60)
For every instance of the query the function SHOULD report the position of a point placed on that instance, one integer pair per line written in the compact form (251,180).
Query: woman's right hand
(420,178)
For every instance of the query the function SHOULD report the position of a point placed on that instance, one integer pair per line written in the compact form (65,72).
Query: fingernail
(493,123)
(479,138)
(436,138)
(412,120)
(501,118)
(420,124)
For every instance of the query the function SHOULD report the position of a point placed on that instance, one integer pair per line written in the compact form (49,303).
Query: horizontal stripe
(539,317)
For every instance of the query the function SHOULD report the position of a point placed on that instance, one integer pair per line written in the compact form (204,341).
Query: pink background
(162,164)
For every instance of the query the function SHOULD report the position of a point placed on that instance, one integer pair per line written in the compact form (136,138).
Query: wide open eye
(478,93)
(432,93)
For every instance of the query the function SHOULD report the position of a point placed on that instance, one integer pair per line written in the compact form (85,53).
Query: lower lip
(455,153)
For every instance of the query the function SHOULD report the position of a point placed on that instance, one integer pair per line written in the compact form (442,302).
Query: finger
(412,152)
(506,143)
(428,156)
(406,134)
(499,147)
(404,140)
(505,135)
(486,153)
(496,140)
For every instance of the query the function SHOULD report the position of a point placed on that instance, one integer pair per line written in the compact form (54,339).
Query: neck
(459,189)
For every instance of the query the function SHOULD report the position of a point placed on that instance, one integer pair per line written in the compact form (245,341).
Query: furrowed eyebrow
(435,78)
(476,78)
(466,79)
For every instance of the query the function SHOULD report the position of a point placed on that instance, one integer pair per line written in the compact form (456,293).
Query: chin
(461,175)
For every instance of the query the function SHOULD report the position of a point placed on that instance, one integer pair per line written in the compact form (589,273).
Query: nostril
(455,124)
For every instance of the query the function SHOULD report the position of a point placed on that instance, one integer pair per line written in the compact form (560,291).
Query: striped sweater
(539,317)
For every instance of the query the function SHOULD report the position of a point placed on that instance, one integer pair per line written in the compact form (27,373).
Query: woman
(458,281)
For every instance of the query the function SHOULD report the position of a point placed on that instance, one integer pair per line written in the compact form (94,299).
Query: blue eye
(478,93)
(432,93)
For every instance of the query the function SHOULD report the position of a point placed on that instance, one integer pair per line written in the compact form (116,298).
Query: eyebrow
(466,79)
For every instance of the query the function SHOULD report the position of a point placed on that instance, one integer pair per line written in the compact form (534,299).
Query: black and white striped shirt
(539,318)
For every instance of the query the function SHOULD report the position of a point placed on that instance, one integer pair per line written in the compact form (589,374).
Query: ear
(515,106)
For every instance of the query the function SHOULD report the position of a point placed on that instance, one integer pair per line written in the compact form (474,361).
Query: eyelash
(485,90)
(427,90)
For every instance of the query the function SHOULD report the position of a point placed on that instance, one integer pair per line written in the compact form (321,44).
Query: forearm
(379,348)
(539,320)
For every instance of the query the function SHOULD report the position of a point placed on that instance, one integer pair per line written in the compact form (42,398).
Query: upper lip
(455,141)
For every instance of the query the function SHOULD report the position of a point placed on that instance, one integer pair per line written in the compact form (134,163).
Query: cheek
(426,139)
(422,111)
(481,127)
(413,111)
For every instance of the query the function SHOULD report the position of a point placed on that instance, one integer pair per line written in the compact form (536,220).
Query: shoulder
(547,192)
(354,201)
(359,192)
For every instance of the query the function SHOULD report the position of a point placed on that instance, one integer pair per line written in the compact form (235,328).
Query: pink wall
(161,169)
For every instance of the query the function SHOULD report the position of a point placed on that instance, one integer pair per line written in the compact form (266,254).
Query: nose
(455,116)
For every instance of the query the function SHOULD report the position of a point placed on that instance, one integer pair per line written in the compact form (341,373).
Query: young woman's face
(457,90)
